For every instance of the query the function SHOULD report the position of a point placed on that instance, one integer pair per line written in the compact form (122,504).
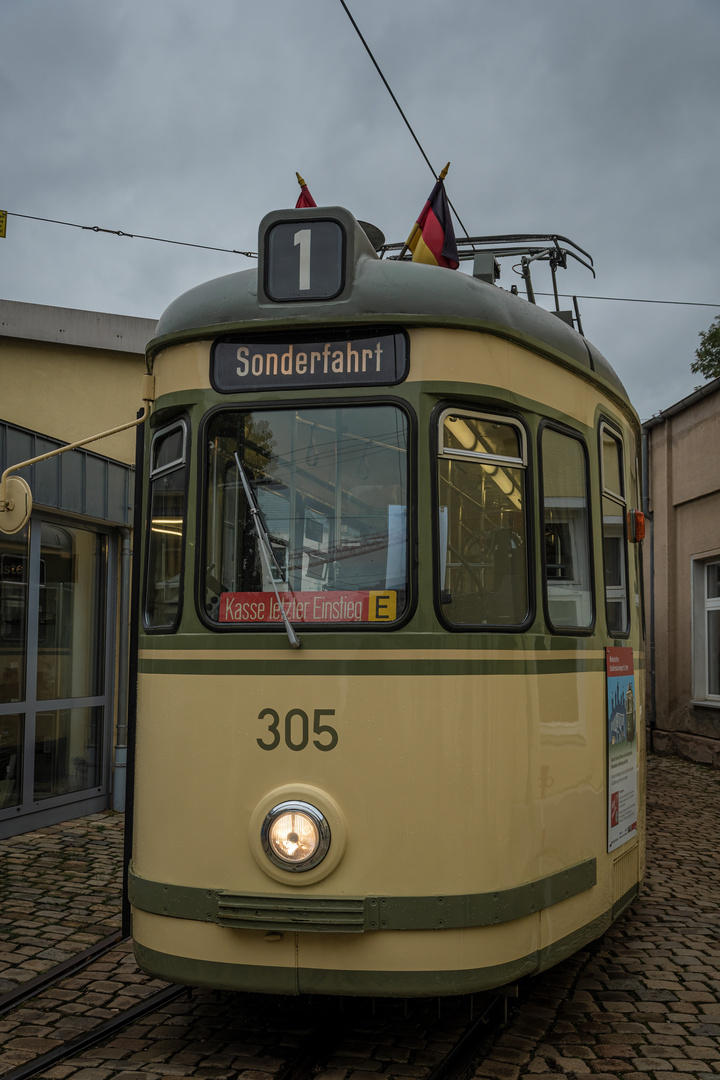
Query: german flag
(433,237)
(304,198)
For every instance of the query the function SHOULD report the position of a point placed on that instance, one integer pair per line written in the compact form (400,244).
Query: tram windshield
(330,486)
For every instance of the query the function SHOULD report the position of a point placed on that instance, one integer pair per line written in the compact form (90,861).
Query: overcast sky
(596,119)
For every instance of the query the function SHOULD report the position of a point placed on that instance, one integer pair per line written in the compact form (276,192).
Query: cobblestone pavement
(60,892)
(642,1003)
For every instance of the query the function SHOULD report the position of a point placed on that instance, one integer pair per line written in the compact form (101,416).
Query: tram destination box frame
(334,360)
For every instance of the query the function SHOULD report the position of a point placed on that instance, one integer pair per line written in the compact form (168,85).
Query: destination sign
(309,607)
(239,364)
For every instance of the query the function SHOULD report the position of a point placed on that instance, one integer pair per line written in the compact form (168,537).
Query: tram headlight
(295,836)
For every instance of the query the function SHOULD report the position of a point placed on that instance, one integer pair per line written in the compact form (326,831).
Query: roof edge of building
(682,405)
(70,326)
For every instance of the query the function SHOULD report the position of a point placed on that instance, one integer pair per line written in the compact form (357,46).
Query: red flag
(304,198)
(433,237)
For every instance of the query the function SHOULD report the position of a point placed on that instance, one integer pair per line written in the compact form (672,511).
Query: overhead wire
(630,299)
(397,104)
(133,236)
(624,299)
(253,255)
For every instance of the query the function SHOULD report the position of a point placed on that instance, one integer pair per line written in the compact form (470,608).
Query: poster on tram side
(622,747)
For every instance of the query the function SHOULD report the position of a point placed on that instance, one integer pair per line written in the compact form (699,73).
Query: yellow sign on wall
(3,223)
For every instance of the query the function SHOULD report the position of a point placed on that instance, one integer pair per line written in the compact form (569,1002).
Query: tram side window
(614,516)
(168,484)
(329,487)
(482,527)
(566,532)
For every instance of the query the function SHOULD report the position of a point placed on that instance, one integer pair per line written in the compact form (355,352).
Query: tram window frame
(620,594)
(310,403)
(155,473)
(439,453)
(567,629)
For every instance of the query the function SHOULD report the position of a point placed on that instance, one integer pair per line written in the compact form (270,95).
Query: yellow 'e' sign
(382,606)
(3,222)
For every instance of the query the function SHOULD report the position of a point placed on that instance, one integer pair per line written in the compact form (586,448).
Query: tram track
(319,1050)
(88,1039)
(325,1032)
(477,1035)
(30,989)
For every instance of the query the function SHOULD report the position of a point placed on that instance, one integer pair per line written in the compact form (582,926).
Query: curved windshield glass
(329,487)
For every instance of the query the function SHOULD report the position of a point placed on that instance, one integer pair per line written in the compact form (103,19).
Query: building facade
(682,574)
(65,577)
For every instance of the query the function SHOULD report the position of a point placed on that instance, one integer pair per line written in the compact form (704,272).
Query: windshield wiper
(266,550)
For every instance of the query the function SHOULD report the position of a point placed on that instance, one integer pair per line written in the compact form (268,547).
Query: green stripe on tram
(422,666)
(347,641)
(358,914)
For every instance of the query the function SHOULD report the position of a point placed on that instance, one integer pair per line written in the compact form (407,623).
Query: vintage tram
(390,620)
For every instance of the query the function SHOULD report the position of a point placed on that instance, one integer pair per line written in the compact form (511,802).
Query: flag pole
(305,199)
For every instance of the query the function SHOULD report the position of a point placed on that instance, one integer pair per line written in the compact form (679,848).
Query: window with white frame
(706,629)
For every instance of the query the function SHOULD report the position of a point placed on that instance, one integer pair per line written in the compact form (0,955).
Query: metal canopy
(78,482)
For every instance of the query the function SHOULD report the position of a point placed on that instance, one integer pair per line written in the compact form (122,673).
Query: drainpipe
(120,759)
(649,518)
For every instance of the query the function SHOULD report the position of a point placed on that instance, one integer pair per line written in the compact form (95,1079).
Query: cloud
(188,121)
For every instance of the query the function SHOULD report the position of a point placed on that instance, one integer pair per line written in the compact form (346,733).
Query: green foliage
(707,356)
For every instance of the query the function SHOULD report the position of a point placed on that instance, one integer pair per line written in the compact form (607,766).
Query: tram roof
(384,292)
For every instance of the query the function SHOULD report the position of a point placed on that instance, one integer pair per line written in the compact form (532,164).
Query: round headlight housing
(295,836)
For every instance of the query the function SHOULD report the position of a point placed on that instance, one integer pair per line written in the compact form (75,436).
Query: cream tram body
(455,542)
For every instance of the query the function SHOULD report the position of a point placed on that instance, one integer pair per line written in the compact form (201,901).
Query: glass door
(55,660)
(13,620)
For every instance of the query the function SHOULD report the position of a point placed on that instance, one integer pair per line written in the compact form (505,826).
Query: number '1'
(302,240)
